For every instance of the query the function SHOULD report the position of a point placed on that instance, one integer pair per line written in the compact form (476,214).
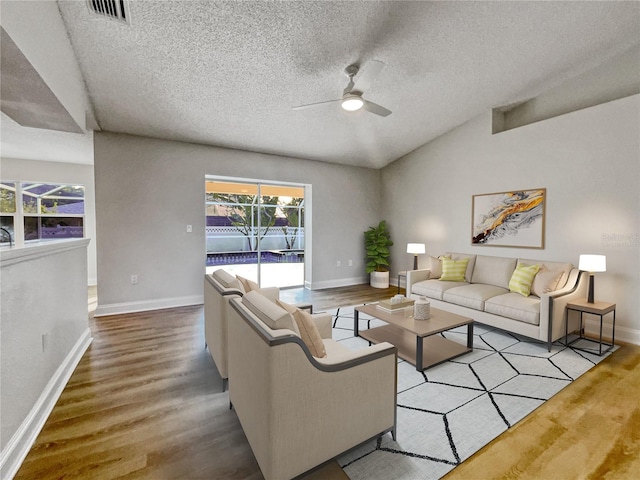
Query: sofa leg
(393,433)
(230,406)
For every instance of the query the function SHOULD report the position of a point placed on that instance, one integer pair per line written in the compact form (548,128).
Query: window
(48,211)
(7,211)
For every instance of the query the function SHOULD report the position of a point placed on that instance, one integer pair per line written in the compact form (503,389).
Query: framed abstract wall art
(509,219)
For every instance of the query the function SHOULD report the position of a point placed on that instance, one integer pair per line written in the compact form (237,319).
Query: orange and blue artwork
(513,219)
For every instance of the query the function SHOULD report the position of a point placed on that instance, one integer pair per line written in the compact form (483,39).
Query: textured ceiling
(228,73)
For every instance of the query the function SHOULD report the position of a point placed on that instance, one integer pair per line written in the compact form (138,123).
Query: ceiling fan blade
(375,108)
(301,107)
(366,77)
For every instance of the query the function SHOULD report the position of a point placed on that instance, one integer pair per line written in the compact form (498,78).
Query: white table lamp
(591,264)
(416,249)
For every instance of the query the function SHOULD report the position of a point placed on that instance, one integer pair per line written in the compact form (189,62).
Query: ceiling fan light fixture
(351,103)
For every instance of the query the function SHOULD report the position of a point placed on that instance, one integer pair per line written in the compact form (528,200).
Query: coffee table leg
(356,318)
(419,355)
(470,336)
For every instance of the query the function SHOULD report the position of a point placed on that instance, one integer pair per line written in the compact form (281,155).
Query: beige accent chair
(219,288)
(299,411)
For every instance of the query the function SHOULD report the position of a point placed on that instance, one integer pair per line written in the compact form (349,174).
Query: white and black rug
(450,411)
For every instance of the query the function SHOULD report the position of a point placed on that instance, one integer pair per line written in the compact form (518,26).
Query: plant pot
(379,279)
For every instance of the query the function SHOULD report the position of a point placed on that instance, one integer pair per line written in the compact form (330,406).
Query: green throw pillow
(522,279)
(454,270)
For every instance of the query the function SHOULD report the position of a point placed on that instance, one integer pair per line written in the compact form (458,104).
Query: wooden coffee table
(417,340)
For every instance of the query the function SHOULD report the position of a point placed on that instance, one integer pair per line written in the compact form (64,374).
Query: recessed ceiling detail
(114,9)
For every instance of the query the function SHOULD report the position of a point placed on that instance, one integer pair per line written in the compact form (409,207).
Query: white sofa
(299,411)
(485,295)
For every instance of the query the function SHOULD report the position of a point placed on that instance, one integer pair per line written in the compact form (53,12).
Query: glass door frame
(306,222)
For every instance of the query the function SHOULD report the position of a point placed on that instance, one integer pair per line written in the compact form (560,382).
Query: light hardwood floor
(146,402)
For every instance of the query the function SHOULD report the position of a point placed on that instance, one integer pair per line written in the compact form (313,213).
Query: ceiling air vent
(113,9)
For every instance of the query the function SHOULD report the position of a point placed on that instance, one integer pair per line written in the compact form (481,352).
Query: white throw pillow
(545,281)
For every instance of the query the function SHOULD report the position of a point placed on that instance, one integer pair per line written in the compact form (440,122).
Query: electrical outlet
(134,279)
(351,263)
(189,228)
(338,263)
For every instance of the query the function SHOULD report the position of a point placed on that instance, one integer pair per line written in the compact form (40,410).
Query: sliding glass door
(256,230)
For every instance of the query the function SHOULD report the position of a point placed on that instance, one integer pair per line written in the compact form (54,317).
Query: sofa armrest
(553,313)
(414,276)
(323,322)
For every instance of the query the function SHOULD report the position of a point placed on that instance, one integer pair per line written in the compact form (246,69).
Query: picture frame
(509,219)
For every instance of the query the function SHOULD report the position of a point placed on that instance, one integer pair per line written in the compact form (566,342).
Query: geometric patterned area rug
(451,410)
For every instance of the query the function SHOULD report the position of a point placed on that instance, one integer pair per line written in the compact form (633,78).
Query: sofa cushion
(433,288)
(225,279)
(565,268)
(493,270)
(522,279)
(309,333)
(435,267)
(473,295)
(472,262)
(514,305)
(545,281)
(272,315)
(454,270)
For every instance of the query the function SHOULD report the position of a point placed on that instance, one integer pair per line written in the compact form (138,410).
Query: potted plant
(377,241)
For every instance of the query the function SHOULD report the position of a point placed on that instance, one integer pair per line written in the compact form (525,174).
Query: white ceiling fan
(358,83)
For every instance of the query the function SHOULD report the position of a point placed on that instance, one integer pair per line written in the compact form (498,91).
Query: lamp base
(591,288)
(415,262)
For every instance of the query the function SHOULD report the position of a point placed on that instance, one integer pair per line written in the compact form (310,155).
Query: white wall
(58,172)
(44,331)
(589,162)
(148,190)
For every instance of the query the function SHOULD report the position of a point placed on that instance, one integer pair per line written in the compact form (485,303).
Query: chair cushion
(545,281)
(473,295)
(271,314)
(514,305)
(289,308)
(309,333)
(433,288)
(225,278)
(493,270)
(522,279)
(247,284)
(454,270)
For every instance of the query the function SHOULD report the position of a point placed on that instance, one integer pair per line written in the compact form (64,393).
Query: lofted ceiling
(229,73)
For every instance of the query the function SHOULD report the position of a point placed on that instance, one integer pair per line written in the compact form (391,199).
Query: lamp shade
(593,263)
(415,248)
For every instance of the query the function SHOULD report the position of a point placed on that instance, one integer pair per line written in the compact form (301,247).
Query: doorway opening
(256,229)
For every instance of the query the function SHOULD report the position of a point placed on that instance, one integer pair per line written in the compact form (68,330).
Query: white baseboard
(341,282)
(20,443)
(145,305)
(624,334)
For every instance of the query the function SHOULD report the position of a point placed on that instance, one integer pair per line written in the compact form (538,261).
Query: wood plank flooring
(146,402)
